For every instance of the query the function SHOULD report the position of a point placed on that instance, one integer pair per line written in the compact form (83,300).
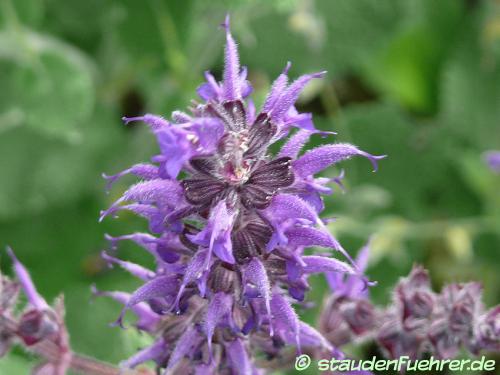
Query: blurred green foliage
(418,80)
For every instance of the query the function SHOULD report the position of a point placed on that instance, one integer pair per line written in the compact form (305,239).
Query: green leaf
(28,12)
(48,82)
(471,87)
(408,69)
(15,364)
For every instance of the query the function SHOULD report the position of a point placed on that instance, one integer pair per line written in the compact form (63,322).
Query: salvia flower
(230,222)
(38,322)
(417,322)
(348,315)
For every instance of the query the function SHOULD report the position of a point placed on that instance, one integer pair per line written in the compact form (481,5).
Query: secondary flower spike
(230,223)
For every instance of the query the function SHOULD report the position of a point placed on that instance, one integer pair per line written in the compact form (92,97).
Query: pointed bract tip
(324,133)
(11,254)
(127,120)
(226,24)
(319,74)
(287,67)
(119,322)
(374,160)
(94,293)
(367,283)
(93,289)
(107,258)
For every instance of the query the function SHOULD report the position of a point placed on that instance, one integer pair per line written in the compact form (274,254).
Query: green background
(418,80)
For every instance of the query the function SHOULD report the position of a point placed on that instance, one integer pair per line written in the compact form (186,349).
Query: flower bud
(35,326)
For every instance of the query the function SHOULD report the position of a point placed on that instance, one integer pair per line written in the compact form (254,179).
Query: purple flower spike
(232,222)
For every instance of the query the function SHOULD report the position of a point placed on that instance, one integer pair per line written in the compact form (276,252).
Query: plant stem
(79,363)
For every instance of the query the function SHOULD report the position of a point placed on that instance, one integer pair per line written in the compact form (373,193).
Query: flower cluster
(38,322)
(418,321)
(230,222)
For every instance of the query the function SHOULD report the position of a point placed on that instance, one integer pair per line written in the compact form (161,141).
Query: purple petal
(287,206)
(246,87)
(145,240)
(219,312)
(147,319)
(250,111)
(217,233)
(22,274)
(208,132)
(290,96)
(285,320)
(194,272)
(163,193)
(277,89)
(239,357)
(306,236)
(231,86)
(184,346)
(177,147)
(319,264)
(303,121)
(144,171)
(134,269)
(149,212)
(355,285)
(255,276)
(180,117)
(310,337)
(162,286)
(322,157)
(155,122)
(209,90)
(295,143)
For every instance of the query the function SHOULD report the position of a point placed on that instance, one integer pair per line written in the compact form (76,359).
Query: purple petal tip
(226,24)
(374,159)
(287,67)
(11,254)
(319,74)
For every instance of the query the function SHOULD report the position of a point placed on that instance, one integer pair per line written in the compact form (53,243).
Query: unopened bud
(35,326)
